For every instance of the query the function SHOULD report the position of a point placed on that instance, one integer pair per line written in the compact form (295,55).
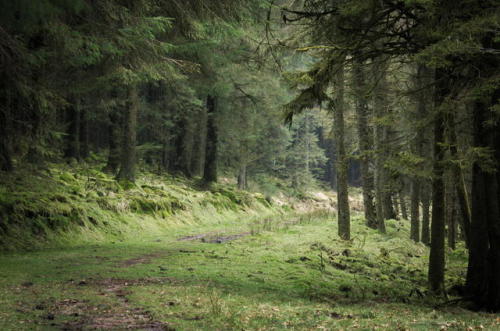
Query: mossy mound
(36,208)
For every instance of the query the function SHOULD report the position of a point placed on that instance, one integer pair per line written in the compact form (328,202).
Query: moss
(67,177)
(126,184)
(151,204)
(219,202)
(42,207)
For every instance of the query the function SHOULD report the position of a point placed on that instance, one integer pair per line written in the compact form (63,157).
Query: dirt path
(121,316)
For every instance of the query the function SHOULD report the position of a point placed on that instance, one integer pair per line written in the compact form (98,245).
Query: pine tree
(365,140)
(343,212)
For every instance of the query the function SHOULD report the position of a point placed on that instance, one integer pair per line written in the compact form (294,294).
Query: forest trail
(142,122)
(265,274)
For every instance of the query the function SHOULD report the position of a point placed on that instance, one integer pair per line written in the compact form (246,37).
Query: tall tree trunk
(34,155)
(129,145)
(198,159)
(384,204)
(452,227)
(165,151)
(365,141)
(415,210)
(73,135)
(463,205)
(421,80)
(380,172)
(390,209)
(437,253)
(183,148)
(113,142)
(459,182)
(242,176)
(479,241)
(5,132)
(210,172)
(402,203)
(450,203)
(84,133)
(343,213)
(187,153)
(5,152)
(331,175)
(493,296)
(380,224)
(483,281)
(426,207)
(395,204)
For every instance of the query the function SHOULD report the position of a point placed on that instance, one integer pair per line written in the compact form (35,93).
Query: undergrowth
(64,205)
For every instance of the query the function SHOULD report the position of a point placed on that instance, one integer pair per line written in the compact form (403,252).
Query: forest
(251,165)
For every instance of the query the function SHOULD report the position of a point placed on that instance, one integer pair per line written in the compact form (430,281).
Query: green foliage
(304,157)
(316,82)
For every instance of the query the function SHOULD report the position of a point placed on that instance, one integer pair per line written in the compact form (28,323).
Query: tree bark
(483,281)
(165,151)
(402,203)
(210,171)
(5,153)
(450,203)
(129,144)
(113,143)
(365,142)
(459,182)
(198,159)
(395,205)
(421,79)
(415,210)
(84,133)
(426,206)
(242,176)
(380,171)
(343,213)
(183,148)
(384,204)
(380,224)
(73,134)
(391,211)
(437,253)
(5,132)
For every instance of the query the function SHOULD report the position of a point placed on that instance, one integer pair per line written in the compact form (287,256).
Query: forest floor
(288,272)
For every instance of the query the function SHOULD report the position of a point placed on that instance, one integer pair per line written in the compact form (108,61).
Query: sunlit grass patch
(167,253)
(64,206)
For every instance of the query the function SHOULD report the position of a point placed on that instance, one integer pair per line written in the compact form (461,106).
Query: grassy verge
(263,273)
(63,206)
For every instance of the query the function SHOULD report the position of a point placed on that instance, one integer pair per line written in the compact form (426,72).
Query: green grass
(291,272)
(83,252)
(62,206)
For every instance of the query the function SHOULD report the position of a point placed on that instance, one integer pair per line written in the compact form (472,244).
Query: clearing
(288,272)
